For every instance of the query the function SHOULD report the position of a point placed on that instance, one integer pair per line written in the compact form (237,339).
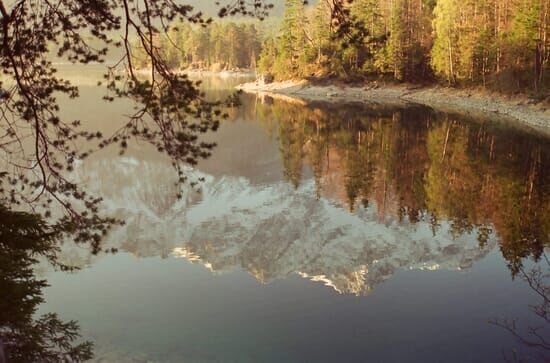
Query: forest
(498,44)
(218,46)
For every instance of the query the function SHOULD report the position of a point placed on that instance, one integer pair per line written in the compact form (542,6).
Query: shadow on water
(25,337)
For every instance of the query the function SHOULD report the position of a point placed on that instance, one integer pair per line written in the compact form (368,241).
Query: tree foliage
(219,46)
(502,44)
(40,150)
(24,239)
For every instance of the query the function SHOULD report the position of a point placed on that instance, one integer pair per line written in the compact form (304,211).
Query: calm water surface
(322,233)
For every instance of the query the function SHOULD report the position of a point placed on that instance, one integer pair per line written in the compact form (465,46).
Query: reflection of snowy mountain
(271,231)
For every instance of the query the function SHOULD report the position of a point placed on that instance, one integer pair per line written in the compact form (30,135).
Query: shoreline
(240,73)
(497,107)
(222,74)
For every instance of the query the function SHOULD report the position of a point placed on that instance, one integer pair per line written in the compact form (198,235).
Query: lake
(320,233)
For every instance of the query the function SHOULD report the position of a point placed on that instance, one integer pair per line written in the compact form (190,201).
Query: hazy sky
(210,7)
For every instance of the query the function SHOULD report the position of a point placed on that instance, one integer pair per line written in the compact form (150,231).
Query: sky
(209,6)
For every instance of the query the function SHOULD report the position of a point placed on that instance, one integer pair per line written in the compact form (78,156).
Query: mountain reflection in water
(365,191)
(346,196)
(275,230)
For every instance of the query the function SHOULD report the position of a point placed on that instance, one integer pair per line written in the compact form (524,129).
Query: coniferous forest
(502,45)
(218,46)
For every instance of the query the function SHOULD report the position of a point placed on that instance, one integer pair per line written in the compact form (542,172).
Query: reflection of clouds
(272,231)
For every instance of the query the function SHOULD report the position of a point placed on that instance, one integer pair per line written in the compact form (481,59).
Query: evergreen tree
(291,39)
(497,43)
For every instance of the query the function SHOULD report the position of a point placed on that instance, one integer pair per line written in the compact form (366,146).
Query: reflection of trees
(292,143)
(23,239)
(414,165)
(496,180)
(418,165)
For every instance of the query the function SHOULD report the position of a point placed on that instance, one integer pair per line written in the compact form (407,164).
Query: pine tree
(292,36)
(368,14)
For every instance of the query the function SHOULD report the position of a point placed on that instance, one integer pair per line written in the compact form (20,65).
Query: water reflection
(364,191)
(416,165)
(344,196)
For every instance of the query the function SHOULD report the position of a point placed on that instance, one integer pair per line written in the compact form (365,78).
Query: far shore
(227,73)
(515,109)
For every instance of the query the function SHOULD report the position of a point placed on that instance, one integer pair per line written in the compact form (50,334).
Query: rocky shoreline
(517,109)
